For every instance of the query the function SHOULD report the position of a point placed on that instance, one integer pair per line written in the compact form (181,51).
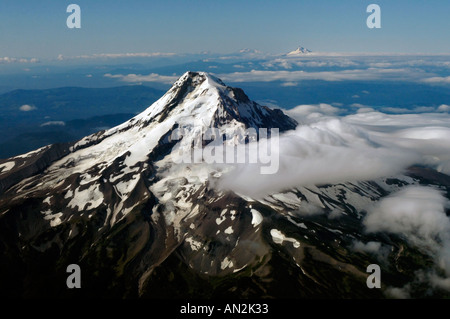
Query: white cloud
(358,105)
(399,293)
(365,110)
(381,64)
(372,247)
(27,108)
(437,80)
(7,60)
(393,74)
(153,77)
(116,55)
(306,113)
(325,152)
(287,84)
(327,149)
(417,109)
(443,108)
(53,123)
(290,61)
(417,213)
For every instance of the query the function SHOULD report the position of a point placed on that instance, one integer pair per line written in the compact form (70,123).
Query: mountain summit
(299,51)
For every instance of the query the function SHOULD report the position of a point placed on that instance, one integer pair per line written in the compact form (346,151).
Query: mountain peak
(197,78)
(200,97)
(299,51)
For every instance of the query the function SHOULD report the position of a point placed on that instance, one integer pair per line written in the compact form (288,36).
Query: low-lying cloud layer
(136,78)
(292,70)
(7,60)
(327,149)
(369,74)
(116,55)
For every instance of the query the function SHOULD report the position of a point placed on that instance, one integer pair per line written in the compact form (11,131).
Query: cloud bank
(327,149)
(116,55)
(7,60)
(369,74)
(137,78)
(417,213)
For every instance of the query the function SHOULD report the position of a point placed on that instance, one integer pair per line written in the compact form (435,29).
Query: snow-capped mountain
(299,51)
(140,225)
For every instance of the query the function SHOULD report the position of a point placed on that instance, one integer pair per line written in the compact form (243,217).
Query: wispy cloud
(327,149)
(116,55)
(27,108)
(308,113)
(400,110)
(7,60)
(137,78)
(417,213)
(53,123)
(438,80)
(392,74)
(443,108)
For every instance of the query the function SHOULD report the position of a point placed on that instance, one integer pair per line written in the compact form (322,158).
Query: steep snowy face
(196,101)
(198,98)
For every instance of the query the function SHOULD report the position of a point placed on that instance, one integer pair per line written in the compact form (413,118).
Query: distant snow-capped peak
(299,51)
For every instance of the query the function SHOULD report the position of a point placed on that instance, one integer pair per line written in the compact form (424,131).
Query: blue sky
(38,28)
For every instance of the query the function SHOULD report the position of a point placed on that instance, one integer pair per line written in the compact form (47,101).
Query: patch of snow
(54,219)
(32,152)
(226,263)
(91,195)
(195,245)
(239,269)
(302,225)
(278,238)
(6,167)
(68,194)
(220,220)
(256,217)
